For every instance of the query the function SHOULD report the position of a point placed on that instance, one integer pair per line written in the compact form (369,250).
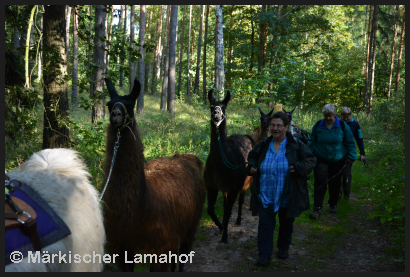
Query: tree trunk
(181,51)
(166,66)
(97,84)
(157,50)
(164,46)
(131,63)
(27,46)
(119,28)
(263,29)
(273,61)
(229,61)
(189,43)
(74,92)
(219,48)
(252,43)
(172,52)
(140,102)
(67,38)
(109,40)
(15,35)
(198,57)
(55,131)
(392,50)
(375,23)
(396,89)
(40,53)
(367,58)
(123,47)
(89,37)
(147,65)
(204,94)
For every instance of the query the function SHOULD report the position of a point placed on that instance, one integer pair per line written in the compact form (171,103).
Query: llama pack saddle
(30,223)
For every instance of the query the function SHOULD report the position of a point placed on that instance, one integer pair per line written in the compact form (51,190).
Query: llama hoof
(238,223)
(224,241)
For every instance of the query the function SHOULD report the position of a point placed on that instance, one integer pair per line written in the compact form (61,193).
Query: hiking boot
(316,213)
(283,254)
(264,262)
(332,209)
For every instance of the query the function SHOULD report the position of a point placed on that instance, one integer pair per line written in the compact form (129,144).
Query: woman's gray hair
(346,110)
(329,109)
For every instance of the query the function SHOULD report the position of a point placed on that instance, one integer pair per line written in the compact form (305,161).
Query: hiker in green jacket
(332,142)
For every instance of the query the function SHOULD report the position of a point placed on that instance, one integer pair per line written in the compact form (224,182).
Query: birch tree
(166,66)
(219,64)
(123,46)
(396,19)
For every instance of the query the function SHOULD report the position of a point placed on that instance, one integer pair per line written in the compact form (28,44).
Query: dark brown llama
(262,131)
(148,210)
(217,175)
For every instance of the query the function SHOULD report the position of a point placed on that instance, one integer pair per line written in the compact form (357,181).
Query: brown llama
(148,210)
(217,175)
(262,131)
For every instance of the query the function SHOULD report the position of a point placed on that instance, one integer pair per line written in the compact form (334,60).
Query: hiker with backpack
(332,142)
(357,134)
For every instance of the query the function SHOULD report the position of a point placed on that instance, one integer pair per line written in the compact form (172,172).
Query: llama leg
(230,200)
(240,202)
(126,255)
(185,248)
(212,195)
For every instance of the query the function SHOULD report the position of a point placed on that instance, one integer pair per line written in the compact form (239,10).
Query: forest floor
(360,245)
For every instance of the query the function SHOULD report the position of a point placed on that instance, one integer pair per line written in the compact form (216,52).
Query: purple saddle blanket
(50,227)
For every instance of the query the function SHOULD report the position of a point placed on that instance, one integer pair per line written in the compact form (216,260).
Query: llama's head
(121,108)
(265,118)
(218,108)
(289,114)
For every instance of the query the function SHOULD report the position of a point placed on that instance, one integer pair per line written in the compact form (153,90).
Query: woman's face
(277,129)
(329,119)
(346,117)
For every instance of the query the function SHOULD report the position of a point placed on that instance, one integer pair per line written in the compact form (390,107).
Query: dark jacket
(301,158)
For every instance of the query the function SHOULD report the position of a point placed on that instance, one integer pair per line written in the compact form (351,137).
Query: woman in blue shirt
(280,184)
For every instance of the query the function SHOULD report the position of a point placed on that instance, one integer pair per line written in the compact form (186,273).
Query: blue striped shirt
(273,174)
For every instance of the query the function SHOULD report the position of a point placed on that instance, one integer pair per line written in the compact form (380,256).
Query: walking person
(357,134)
(280,185)
(331,141)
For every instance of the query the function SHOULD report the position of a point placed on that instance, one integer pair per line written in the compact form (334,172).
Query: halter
(130,120)
(217,123)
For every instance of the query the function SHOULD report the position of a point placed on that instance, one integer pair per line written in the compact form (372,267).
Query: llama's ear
(210,96)
(291,112)
(284,110)
(227,98)
(270,113)
(136,89)
(111,88)
(260,111)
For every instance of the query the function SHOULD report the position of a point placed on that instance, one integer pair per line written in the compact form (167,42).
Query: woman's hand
(253,170)
(292,169)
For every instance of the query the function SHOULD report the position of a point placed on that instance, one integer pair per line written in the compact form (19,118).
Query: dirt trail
(362,249)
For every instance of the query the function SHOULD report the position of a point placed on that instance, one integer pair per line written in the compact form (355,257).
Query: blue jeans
(266,227)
